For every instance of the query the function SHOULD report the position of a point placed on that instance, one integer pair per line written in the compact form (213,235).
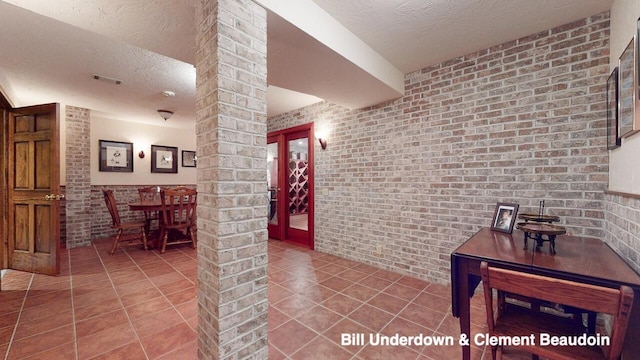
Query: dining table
(148,206)
(581,259)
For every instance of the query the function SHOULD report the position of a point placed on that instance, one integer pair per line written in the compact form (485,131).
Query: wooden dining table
(148,206)
(581,259)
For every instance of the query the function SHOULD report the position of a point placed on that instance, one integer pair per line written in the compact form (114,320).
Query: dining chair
(120,226)
(178,225)
(150,194)
(518,322)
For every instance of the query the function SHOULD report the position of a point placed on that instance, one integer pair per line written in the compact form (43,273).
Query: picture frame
(164,159)
(115,156)
(628,125)
(613,137)
(189,158)
(504,217)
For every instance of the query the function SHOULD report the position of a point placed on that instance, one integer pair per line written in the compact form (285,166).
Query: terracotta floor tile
(402,292)
(321,348)
(360,292)
(101,322)
(371,317)
(433,301)
(147,308)
(276,318)
(333,269)
(130,351)
(64,351)
(157,322)
(387,275)
(291,336)
(342,304)
(90,298)
(97,308)
(413,282)
(105,340)
(188,309)
(42,311)
(274,354)
(319,318)
(182,296)
(294,305)
(336,283)
(177,286)
(42,342)
(188,351)
(277,293)
(388,352)
(426,317)
(9,319)
(317,293)
(167,340)
(375,283)
(388,303)
(439,289)
(139,296)
(55,320)
(5,335)
(345,326)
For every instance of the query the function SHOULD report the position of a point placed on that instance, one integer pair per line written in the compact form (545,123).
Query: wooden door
(33,184)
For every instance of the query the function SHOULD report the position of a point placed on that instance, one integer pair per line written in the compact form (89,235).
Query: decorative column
(231,87)
(78,177)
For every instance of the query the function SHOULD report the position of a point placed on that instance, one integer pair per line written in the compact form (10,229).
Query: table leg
(461,291)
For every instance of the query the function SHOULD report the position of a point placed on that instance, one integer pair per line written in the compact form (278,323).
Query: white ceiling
(51,49)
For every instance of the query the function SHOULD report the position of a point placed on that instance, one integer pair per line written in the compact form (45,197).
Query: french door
(290,184)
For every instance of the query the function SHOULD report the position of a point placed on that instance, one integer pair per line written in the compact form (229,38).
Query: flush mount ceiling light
(107,79)
(166,114)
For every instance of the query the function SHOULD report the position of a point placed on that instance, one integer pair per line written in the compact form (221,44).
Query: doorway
(290,184)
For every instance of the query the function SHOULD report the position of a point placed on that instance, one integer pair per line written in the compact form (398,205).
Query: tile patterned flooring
(141,305)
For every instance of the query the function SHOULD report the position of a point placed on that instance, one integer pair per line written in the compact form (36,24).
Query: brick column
(78,177)
(231,87)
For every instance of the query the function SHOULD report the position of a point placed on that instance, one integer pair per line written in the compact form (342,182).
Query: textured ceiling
(51,49)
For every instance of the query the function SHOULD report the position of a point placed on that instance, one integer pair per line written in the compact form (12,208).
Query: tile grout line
(73,308)
(15,327)
(160,291)
(120,301)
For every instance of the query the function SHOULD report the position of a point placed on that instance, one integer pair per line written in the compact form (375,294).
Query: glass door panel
(298,184)
(273,188)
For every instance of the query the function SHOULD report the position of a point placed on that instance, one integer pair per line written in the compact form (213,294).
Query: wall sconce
(323,143)
(141,154)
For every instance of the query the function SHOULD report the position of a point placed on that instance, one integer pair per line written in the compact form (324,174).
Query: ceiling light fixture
(166,114)
(107,79)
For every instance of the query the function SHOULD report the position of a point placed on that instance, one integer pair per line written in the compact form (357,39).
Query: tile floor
(137,305)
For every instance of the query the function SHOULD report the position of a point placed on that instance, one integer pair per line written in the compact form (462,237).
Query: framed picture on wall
(628,125)
(504,217)
(188,158)
(613,138)
(115,156)
(164,159)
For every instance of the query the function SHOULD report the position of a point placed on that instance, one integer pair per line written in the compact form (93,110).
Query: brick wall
(519,122)
(622,226)
(231,65)
(77,212)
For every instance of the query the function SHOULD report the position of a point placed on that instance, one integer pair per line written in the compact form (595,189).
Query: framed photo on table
(164,159)
(504,217)
(189,158)
(613,137)
(115,156)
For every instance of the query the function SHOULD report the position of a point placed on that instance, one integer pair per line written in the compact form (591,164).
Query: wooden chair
(150,194)
(120,226)
(520,322)
(178,217)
